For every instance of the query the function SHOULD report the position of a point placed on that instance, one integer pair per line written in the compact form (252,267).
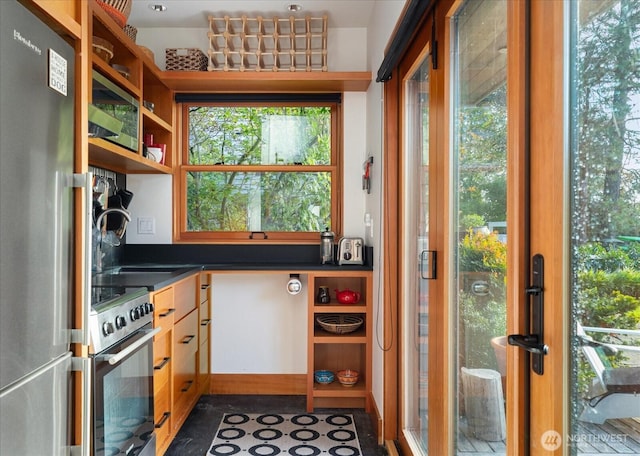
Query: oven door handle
(115,359)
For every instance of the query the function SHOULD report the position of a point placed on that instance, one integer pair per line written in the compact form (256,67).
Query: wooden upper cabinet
(155,99)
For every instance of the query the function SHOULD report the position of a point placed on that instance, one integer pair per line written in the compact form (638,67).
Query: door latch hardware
(534,342)
(529,343)
(428,264)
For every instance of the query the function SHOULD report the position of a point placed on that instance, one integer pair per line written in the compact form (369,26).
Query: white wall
(346,47)
(152,202)
(257,327)
(355,149)
(383,21)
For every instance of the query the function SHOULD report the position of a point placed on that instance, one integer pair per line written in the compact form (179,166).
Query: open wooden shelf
(357,337)
(267,81)
(335,352)
(145,85)
(104,154)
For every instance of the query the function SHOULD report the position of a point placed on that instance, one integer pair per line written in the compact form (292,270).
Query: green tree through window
(260,168)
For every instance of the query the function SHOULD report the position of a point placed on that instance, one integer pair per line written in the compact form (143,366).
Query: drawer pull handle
(167,313)
(205,322)
(187,339)
(165,417)
(164,362)
(188,386)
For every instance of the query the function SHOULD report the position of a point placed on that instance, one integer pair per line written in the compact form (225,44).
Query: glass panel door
(605,227)
(479,197)
(417,258)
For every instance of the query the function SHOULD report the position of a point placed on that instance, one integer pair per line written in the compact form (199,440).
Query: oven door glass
(123,400)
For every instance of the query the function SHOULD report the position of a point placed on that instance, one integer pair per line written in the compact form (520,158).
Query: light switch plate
(146,225)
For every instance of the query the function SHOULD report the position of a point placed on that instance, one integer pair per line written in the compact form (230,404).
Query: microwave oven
(113,113)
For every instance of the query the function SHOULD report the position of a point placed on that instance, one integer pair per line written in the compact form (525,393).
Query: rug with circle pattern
(291,435)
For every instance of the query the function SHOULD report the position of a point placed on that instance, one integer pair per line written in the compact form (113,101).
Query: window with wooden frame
(259,168)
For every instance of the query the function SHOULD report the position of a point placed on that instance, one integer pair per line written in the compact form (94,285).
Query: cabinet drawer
(184,296)
(205,285)
(161,361)
(204,328)
(185,337)
(185,388)
(203,368)
(163,312)
(162,415)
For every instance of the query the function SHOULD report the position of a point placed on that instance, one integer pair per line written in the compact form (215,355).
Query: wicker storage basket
(131,32)
(186,59)
(119,10)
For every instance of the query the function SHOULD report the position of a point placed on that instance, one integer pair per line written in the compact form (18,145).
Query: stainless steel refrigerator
(36,255)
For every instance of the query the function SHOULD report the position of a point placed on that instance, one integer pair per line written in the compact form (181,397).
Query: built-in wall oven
(122,351)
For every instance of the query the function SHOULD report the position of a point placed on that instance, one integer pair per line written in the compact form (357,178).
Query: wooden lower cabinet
(162,417)
(185,348)
(175,358)
(204,352)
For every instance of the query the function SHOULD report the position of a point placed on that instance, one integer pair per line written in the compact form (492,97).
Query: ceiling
(195,13)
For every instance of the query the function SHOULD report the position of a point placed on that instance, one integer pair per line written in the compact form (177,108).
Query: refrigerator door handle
(85,181)
(83,365)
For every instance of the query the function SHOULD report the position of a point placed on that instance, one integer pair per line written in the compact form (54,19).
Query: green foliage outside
(606,295)
(482,253)
(295,201)
(606,189)
(482,257)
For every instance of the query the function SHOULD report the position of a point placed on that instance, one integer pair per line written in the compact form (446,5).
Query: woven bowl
(102,48)
(324,377)
(339,323)
(348,377)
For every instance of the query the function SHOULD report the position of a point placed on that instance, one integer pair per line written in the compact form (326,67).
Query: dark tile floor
(196,435)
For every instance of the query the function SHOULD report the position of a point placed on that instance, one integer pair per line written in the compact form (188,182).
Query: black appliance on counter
(121,348)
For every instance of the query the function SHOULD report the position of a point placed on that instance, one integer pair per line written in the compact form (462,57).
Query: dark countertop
(285,267)
(157,276)
(152,277)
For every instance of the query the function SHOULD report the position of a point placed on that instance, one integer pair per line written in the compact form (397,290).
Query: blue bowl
(324,376)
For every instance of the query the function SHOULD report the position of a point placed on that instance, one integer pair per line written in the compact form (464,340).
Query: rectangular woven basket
(186,59)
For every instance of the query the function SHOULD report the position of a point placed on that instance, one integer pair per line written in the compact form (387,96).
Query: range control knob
(134,314)
(143,312)
(107,328)
(121,322)
(149,306)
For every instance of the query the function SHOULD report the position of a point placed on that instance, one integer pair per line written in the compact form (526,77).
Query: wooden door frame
(517,218)
(394,240)
(548,217)
(518,104)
